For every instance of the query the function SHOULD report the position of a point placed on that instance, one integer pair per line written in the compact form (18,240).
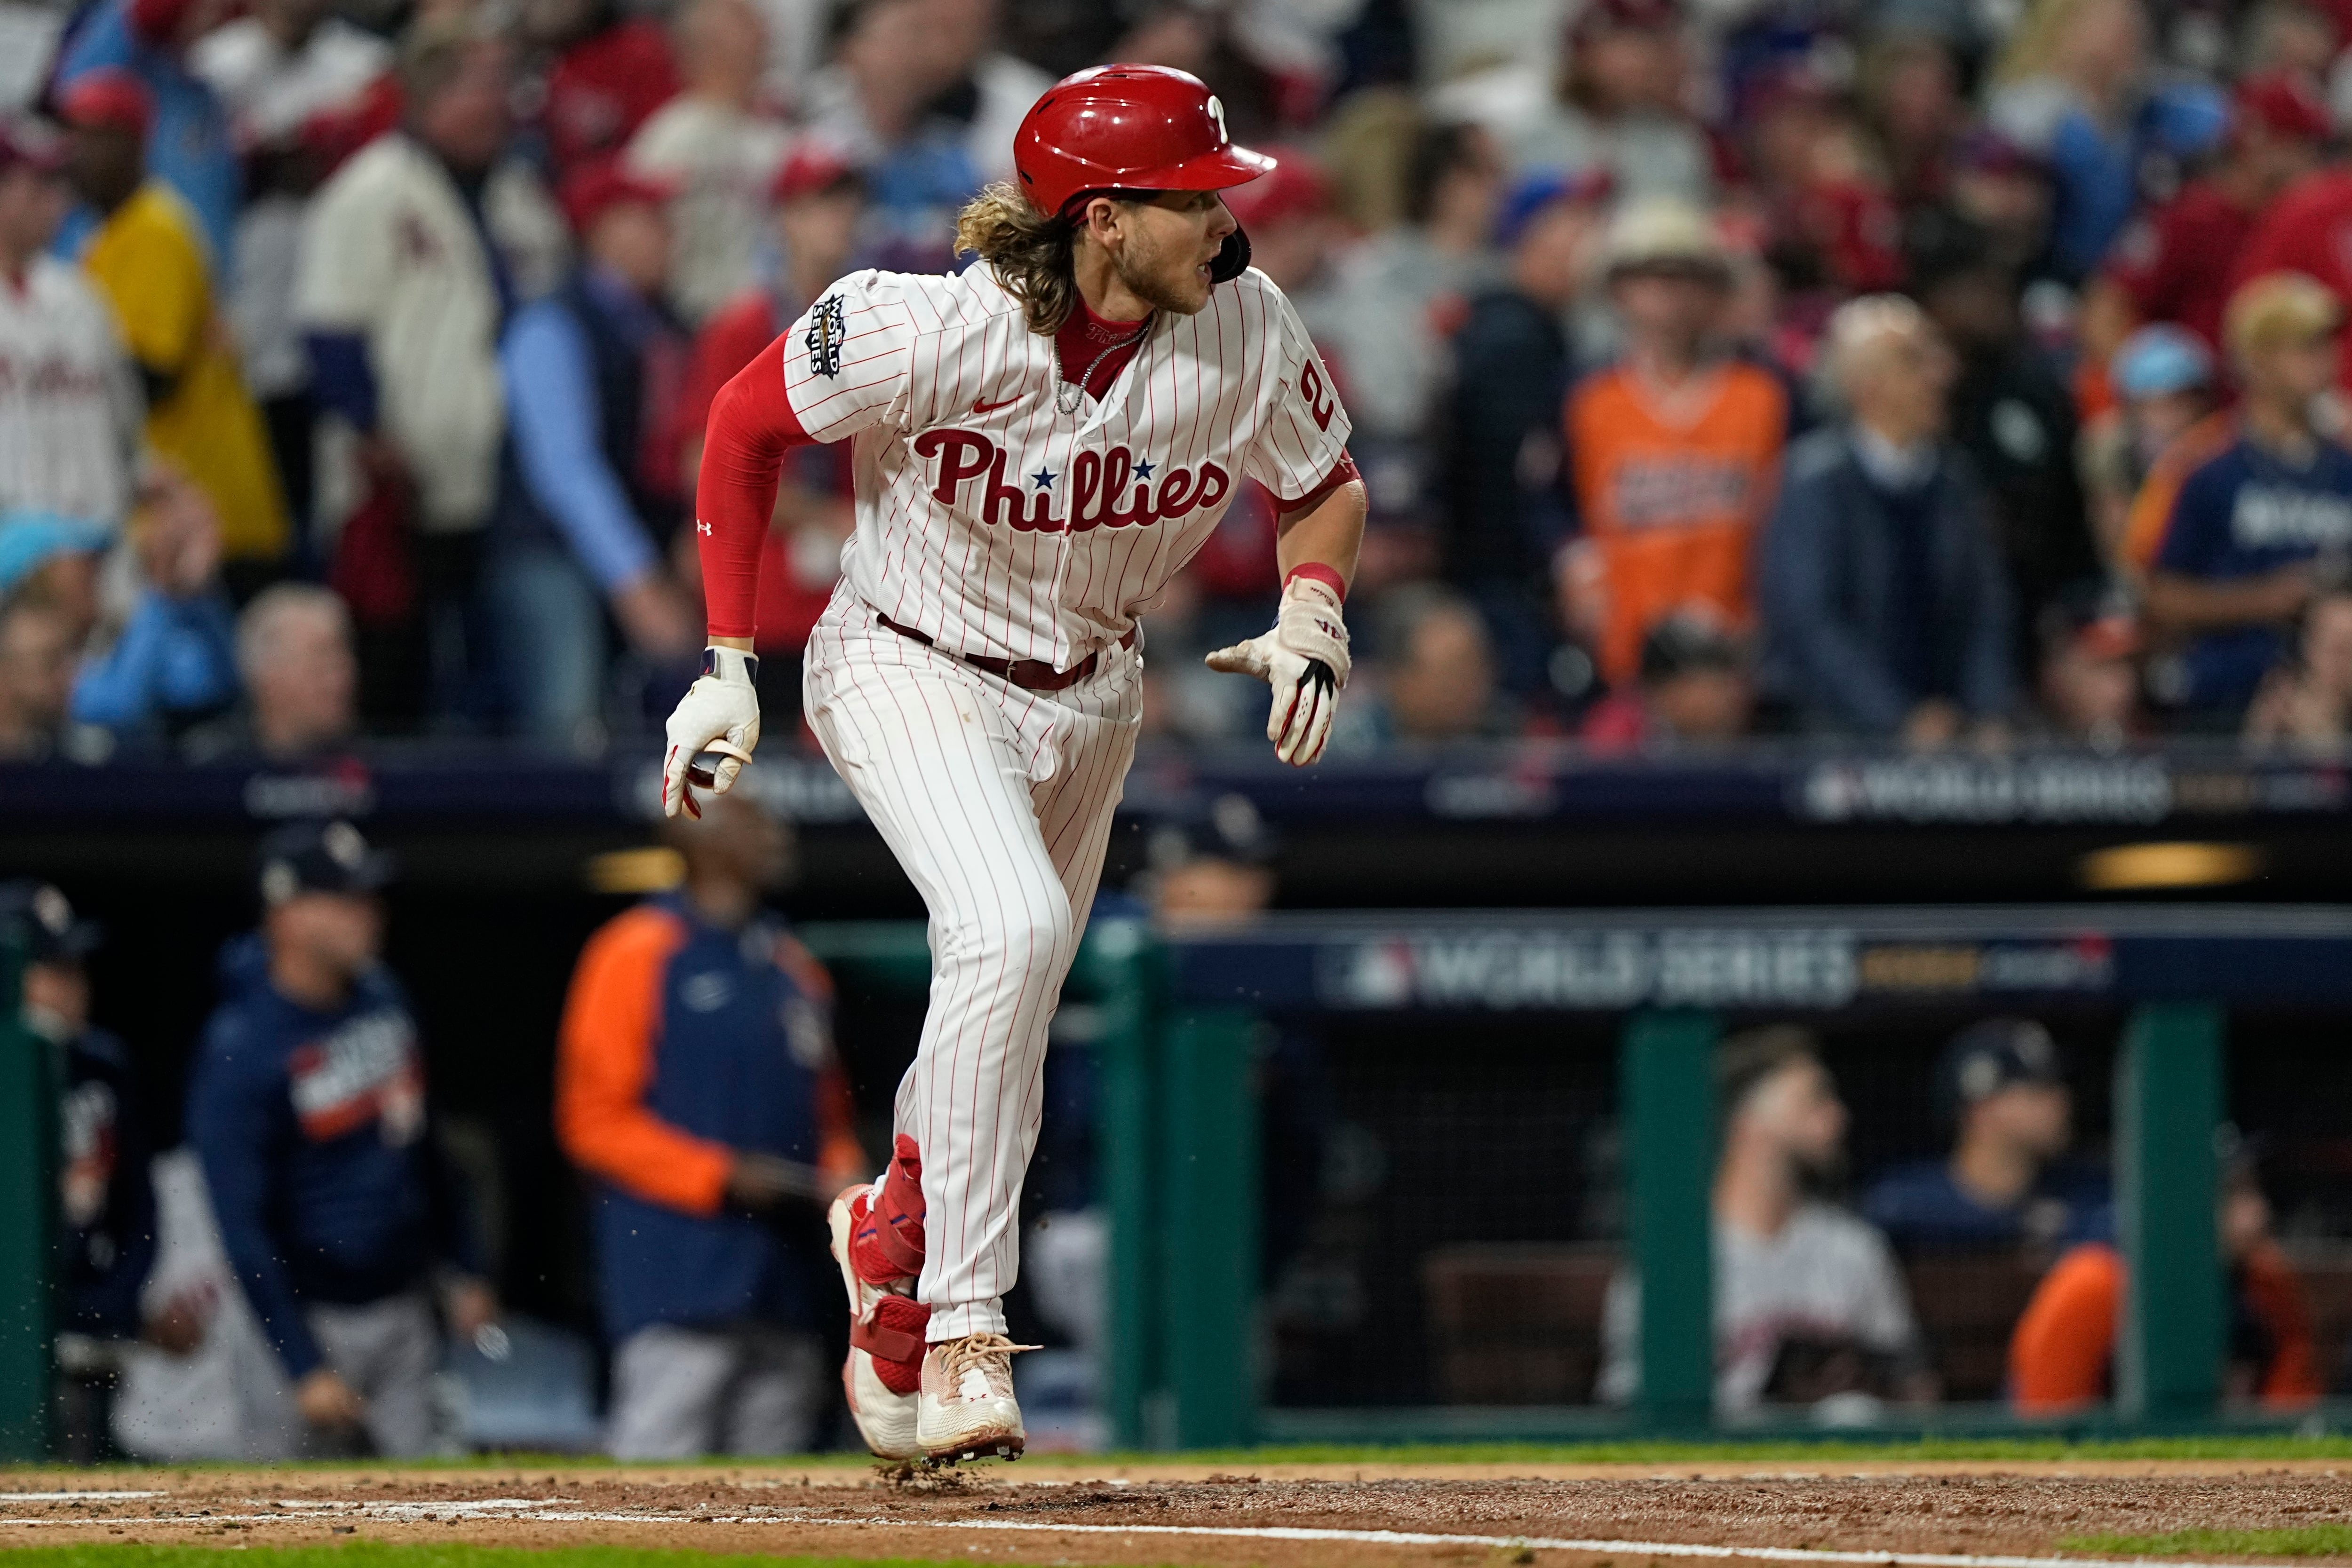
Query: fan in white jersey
(70,407)
(1041,443)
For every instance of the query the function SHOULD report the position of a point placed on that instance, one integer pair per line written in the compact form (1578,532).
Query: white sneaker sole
(885,1420)
(991,1430)
(991,1442)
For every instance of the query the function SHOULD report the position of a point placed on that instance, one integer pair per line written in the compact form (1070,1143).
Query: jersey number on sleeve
(1319,402)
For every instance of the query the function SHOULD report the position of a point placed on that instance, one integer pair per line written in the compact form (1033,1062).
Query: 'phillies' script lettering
(1098,484)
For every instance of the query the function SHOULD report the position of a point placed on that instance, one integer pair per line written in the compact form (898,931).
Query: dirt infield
(1295,1516)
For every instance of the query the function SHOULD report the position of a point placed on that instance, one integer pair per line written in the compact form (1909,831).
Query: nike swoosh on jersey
(983,406)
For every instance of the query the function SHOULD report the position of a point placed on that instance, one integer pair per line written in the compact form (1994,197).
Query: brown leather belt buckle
(1029,674)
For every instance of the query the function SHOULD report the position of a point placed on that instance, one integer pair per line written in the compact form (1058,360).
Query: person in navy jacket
(307,1110)
(699,1092)
(2002,1090)
(105,1238)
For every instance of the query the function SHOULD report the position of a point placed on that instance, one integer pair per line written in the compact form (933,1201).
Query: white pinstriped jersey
(69,411)
(997,524)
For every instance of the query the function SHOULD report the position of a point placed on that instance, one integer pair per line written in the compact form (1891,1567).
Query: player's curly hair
(1030,251)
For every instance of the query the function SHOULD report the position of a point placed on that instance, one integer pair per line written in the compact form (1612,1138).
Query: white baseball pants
(997,802)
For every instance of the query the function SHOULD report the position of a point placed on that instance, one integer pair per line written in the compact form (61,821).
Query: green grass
(2219,1446)
(2296,1541)
(438,1554)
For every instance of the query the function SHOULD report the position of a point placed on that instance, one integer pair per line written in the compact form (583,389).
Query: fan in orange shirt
(1673,454)
(2060,1353)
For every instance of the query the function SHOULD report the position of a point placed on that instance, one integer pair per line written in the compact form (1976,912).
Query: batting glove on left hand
(719,714)
(1304,660)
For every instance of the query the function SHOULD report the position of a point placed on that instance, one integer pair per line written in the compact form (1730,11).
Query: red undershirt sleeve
(752,427)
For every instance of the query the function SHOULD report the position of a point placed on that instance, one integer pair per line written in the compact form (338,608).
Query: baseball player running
(1042,442)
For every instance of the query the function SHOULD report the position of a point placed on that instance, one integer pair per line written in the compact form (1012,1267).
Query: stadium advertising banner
(1829,962)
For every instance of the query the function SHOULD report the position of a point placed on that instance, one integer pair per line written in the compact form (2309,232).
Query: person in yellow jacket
(146,255)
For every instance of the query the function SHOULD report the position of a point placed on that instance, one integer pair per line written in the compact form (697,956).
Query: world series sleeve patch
(827,328)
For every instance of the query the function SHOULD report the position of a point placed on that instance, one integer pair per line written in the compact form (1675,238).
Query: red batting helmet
(1127,128)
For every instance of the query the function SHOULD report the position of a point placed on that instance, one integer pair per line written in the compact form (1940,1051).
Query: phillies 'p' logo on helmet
(1123,128)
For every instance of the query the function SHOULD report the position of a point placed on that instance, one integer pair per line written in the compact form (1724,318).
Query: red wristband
(1315,572)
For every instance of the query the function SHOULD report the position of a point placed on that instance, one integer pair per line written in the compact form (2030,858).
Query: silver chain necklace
(1079,389)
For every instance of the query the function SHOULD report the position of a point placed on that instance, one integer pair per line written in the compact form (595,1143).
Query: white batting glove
(721,715)
(1304,660)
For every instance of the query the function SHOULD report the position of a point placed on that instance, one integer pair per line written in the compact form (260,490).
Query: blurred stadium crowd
(1910,368)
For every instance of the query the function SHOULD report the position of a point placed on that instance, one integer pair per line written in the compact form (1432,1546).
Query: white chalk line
(527,1510)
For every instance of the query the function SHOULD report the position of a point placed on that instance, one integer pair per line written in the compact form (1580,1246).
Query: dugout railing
(2171,973)
(1176,1024)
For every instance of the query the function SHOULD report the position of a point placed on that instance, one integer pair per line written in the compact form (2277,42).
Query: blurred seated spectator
(2292,37)
(301,680)
(2308,701)
(2077,86)
(57,561)
(879,100)
(1912,101)
(2174,263)
(1884,604)
(36,671)
(413,254)
(2012,415)
(1829,223)
(987,91)
(2060,1357)
(307,1108)
(1437,674)
(191,152)
(712,144)
(283,63)
(69,409)
(1402,292)
(1674,452)
(174,663)
(1211,868)
(2255,525)
(1505,488)
(1616,108)
(610,71)
(819,200)
(153,268)
(1695,689)
(2004,191)
(2162,379)
(2089,674)
(592,376)
(2000,1090)
(1293,231)
(285,72)
(1809,1304)
(2301,231)
(698,1089)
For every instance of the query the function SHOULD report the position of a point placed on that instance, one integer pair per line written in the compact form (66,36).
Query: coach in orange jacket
(698,1089)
